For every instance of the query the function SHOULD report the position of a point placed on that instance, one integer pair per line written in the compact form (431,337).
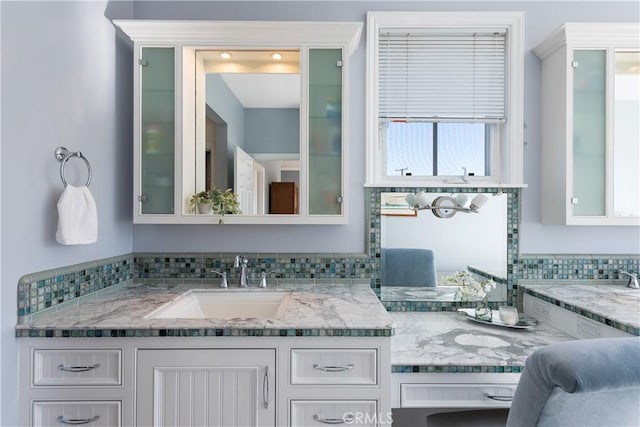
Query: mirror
(248,126)
(473,241)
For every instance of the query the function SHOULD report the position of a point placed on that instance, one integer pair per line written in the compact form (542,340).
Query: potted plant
(201,203)
(217,201)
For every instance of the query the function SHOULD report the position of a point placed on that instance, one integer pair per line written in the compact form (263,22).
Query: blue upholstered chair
(408,267)
(593,382)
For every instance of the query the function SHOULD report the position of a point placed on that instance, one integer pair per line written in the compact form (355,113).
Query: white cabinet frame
(556,54)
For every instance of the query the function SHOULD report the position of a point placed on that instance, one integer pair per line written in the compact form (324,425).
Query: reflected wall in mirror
(439,246)
(248,126)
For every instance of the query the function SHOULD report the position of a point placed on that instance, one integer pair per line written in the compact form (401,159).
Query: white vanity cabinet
(334,384)
(175,151)
(193,381)
(212,387)
(73,382)
(590,130)
(567,321)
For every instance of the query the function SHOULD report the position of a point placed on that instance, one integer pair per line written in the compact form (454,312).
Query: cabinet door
(157,130)
(325,131)
(589,133)
(223,388)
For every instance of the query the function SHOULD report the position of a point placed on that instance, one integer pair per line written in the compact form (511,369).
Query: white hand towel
(77,217)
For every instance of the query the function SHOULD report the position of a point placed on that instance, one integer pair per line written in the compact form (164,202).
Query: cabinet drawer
(76,367)
(85,413)
(315,413)
(456,395)
(334,366)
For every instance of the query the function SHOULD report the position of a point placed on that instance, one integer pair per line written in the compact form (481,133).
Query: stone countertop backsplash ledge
(611,303)
(313,310)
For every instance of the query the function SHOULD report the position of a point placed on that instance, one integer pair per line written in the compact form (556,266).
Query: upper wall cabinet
(590,127)
(256,107)
(445,99)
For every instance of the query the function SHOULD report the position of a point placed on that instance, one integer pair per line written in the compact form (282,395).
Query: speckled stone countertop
(612,304)
(313,310)
(447,342)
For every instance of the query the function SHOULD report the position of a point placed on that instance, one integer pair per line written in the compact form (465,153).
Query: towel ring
(63,155)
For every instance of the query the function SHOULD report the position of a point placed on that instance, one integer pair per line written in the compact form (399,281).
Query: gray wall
(65,81)
(272,130)
(225,104)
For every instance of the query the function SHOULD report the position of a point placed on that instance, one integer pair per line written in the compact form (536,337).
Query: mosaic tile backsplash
(204,266)
(577,267)
(47,289)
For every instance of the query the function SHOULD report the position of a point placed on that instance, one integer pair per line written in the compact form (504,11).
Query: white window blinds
(436,76)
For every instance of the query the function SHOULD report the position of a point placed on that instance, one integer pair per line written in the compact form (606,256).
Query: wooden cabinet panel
(283,198)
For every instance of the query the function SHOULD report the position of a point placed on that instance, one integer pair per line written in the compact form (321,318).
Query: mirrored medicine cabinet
(259,108)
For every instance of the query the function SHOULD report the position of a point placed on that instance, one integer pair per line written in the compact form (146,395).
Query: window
(445,98)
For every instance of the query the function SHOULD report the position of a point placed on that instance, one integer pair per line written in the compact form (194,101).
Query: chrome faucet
(242,262)
(633,280)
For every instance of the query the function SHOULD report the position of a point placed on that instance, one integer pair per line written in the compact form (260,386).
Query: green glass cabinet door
(157,128)
(325,131)
(589,133)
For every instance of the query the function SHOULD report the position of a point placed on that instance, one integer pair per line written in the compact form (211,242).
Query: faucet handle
(263,280)
(223,281)
(633,280)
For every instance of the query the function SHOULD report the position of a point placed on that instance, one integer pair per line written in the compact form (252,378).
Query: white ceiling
(265,90)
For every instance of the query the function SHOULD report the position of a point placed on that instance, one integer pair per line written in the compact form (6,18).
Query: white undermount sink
(224,304)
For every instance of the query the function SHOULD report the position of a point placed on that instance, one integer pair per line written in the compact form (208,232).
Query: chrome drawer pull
(348,418)
(265,388)
(498,397)
(332,368)
(77,421)
(78,368)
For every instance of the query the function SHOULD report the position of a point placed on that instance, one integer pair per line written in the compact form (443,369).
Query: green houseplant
(217,201)
(201,203)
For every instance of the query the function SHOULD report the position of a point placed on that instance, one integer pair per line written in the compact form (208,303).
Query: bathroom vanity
(110,360)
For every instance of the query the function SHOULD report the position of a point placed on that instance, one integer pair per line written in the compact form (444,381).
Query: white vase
(204,208)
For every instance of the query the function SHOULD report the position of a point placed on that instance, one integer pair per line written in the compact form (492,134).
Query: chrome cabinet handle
(332,368)
(78,368)
(77,421)
(498,397)
(265,388)
(346,419)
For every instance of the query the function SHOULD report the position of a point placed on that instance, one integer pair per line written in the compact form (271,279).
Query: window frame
(506,157)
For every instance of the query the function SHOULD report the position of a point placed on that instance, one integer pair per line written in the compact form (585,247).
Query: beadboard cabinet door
(205,387)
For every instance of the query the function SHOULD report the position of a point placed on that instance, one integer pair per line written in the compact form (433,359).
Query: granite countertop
(612,304)
(313,310)
(447,342)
